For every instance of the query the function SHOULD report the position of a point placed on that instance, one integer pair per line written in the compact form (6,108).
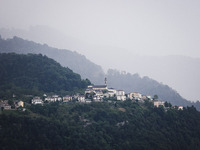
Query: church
(93,88)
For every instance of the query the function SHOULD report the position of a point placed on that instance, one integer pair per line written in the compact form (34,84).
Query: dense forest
(114,125)
(34,74)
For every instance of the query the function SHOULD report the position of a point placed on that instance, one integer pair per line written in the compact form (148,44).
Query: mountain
(45,34)
(135,83)
(77,62)
(100,126)
(34,73)
(179,72)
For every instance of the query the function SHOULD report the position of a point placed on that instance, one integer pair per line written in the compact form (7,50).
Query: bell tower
(105,81)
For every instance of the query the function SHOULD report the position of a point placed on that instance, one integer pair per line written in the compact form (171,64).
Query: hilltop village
(97,93)
(93,93)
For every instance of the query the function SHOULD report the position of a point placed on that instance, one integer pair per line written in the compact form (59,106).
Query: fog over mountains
(87,69)
(179,72)
(159,39)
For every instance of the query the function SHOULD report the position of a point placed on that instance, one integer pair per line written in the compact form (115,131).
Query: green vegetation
(35,75)
(108,125)
(87,69)
(115,125)
(75,61)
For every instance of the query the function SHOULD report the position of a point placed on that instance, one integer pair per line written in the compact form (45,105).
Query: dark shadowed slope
(30,74)
(77,62)
(101,126)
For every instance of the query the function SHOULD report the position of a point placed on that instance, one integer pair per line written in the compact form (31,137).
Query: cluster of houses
(56,98)
(5,105)
(99,93)
(93,93)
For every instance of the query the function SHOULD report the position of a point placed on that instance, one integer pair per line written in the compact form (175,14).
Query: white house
(97,98)
(67,98)
(49,99)
(5,105)
(81,98)
(135,95)
(53,98)
(88,101)
(149,97)
(20,104)
(180,107)
(37,100)
(120,95)
(120,92)
(158,103)
(57,98)
(112,92)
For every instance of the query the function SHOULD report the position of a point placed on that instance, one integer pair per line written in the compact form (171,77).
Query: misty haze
(132,36)
(131,55)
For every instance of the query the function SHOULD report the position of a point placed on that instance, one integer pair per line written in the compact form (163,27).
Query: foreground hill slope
(100,126)
(78,63)
(36,73)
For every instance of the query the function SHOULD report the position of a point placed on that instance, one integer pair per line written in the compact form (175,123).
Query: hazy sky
(150,27)
(112,33)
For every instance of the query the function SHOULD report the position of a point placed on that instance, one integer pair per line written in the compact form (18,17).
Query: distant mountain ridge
(80,64)
(133,82)
(77,62)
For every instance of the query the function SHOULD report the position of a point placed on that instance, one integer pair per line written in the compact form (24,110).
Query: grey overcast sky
(145,27)
(115,33)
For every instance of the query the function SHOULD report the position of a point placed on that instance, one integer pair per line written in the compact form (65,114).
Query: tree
(166,104)
(105,91)
(155,97)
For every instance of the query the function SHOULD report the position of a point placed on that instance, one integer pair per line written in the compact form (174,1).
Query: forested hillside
(33,74)
(77,62)
(145,85)
(100,126)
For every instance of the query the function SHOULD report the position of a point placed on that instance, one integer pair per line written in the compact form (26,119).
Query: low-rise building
(67,98)
(158,103)
(20,104)
(120,94)
(53,98)
(4,104)
(97,98)
(149,97)
(135,96)
(49,99)
(57,98)
(7,107)
(121,97)
(180,107)
(112,92)
(37,100)
(88,101)
(81,98)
